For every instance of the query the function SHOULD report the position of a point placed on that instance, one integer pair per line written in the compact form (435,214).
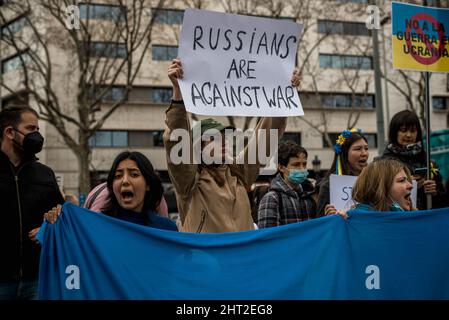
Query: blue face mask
(297,176)
(396,206)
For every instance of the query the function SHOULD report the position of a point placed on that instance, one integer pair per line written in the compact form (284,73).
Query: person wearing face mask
(406,145)
(384,185)
(28,189)
(351,156)
(290,196)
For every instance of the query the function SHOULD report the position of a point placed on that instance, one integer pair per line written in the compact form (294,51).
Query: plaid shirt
(297,205)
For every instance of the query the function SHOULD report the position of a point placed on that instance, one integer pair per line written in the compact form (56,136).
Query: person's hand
(295,78)
(342,214)
(52,215)
(430,187)
(32,235)
(175,72)
(329,209)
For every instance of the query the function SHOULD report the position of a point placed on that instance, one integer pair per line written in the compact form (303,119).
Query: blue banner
(372,255)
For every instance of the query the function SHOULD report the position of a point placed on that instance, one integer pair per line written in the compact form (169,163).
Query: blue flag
(371,255)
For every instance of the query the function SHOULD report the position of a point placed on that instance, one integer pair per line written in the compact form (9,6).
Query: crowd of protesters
(211,197)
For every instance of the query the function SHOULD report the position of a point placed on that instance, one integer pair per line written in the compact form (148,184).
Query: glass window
(439,103)
(14,62)
(342,101)
(168,16)
(140,139)
(108,50)
(161,52)
(14,26)
(161,95)
(158,138)
(325,61)
(337,62)
(344,61)
(119,138)
(101,12)
(366,63)
(103,139)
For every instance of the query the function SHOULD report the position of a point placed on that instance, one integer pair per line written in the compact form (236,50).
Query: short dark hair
(152,196)
(11,116)
(409,120)
(289,149)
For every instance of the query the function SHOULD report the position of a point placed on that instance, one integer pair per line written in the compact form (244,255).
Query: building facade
(337,89)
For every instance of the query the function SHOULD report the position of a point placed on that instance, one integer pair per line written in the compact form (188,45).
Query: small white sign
(340,188)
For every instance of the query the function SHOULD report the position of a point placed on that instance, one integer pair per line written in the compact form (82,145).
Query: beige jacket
(204,207)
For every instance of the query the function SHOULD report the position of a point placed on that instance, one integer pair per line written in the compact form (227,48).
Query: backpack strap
(91,201)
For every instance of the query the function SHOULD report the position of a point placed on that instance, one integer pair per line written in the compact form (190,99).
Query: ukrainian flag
(420,38)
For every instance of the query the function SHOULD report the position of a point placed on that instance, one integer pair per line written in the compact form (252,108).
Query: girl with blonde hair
(384,185)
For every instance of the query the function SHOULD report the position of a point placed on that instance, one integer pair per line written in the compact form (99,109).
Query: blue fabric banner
(372,255)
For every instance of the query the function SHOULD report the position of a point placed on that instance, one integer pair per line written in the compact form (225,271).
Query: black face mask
(32,142)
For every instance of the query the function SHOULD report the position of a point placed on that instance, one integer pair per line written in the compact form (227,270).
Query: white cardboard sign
(238,65)
(340,188)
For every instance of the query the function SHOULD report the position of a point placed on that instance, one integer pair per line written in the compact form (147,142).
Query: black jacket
(420,161)
(26,193)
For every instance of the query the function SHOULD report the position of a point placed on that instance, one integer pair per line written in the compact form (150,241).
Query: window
(14,26)
(124,139)
(108,50)
(346,100)
(20,98)
(345,61)
(439,103)
(161,52)
(292,136)
(101,12)
(14,62)
(109,139)
(343,27)
(113,94)
(353,1)
(370,137)
(161,95)
(168,16)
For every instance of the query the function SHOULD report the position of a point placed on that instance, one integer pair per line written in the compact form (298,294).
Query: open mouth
(363,162)
(407,196)
(127,195)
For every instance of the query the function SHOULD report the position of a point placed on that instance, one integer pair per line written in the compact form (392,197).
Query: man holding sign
(210,186)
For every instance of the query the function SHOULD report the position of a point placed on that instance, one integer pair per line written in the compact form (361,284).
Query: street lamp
(316,163)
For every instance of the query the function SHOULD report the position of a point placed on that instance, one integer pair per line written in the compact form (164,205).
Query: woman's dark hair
(344,155)
(152,196)
(407,119)
(289,149)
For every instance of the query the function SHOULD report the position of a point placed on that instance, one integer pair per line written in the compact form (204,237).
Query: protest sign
(420,38)
(238,65)
(341,191)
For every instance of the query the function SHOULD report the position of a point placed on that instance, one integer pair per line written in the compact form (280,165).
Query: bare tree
(102,55)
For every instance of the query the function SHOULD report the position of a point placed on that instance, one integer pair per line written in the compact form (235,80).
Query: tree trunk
(83,166)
